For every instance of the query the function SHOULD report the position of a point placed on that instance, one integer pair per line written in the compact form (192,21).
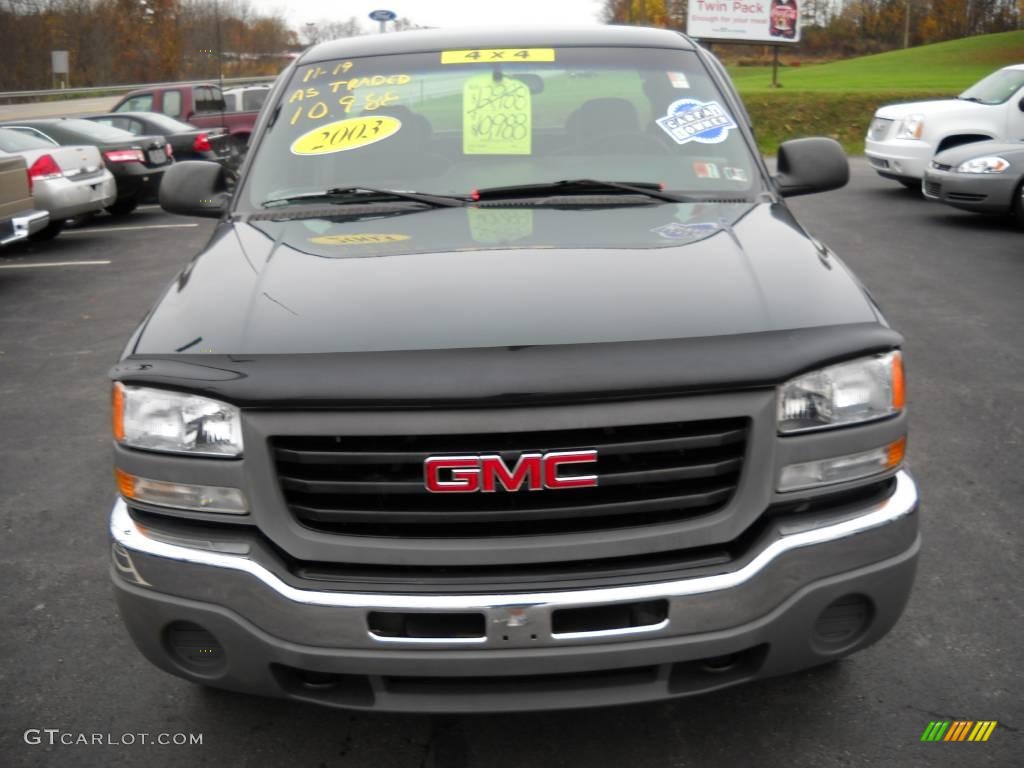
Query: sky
(440,13)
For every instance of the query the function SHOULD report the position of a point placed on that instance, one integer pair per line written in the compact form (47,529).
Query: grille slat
(374,485)
(611,448)
(305,485)
(532,513)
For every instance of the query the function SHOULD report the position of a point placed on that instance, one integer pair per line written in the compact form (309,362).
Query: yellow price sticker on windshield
(497,55)
(496,116)
(344,135)
(361,239)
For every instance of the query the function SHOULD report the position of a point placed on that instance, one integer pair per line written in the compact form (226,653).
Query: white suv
(248,98)
(903,138)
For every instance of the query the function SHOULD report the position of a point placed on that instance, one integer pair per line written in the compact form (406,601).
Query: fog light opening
(194,648)
(843,623)
(318,681)
(720,664)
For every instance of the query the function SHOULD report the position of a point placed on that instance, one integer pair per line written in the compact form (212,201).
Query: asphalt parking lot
(952,282)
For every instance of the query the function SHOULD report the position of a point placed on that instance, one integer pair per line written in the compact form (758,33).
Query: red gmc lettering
(554,461)
(532,471)
(528,466)
(465,474)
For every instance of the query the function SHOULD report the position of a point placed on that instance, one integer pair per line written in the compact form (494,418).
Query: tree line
(853,27)
(131,41)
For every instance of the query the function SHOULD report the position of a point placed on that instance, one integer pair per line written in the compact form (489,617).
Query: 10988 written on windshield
(451,121)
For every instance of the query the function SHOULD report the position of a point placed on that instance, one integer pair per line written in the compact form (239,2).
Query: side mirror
(195,188)
(806,166)
(1020,105)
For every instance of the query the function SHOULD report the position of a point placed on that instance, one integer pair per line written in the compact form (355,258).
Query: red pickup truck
(201,104)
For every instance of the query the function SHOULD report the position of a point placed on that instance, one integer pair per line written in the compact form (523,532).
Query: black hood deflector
(510,375)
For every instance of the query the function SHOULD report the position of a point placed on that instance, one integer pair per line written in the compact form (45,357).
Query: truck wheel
(123,207)
(48,232)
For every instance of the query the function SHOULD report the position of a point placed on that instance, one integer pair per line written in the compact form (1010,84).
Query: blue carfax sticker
(690,231)
(689,120)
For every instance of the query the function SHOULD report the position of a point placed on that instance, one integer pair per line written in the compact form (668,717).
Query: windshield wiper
(579,187)
(367,194)
(975,99)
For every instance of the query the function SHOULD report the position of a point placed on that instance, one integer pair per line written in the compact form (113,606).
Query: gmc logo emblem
(532,471)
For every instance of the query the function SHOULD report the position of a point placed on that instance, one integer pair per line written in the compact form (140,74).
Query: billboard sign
(59,62)
(752,21)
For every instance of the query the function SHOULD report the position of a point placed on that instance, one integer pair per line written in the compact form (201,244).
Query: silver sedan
(66,181)
(985,177)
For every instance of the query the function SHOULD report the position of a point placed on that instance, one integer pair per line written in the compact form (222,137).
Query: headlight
(848,393)
(984,165)
(158,420)
(911,127)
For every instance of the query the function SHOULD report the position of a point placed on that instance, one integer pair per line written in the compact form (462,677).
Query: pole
(220,55)
(775,66)
(383,26)
(906,27)
(220,64)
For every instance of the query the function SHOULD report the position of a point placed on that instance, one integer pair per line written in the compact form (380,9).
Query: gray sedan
(67,181)
(985,177)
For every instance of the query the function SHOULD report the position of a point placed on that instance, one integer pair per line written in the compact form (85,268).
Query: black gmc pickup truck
(508,381)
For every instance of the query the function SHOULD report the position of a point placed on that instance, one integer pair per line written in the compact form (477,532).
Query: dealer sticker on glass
(689,120)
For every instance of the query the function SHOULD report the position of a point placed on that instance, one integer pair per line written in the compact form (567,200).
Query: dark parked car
(137,162)
(984,177)
(489,392)
(187,141)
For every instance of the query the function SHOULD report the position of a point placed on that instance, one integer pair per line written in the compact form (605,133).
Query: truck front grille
(647,474)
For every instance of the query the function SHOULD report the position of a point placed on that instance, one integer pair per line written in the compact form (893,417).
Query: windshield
(448,123)
(996,88)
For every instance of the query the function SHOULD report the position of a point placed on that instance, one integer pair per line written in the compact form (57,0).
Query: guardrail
(115,89)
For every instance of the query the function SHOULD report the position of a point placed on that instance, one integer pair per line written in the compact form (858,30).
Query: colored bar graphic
(959,730)
(935,730)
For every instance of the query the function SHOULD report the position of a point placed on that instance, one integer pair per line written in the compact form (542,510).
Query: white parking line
(52,264)
(90,230)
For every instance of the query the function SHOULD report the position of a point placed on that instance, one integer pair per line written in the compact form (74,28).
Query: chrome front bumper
(791,560)
(758,617)
(899,158)
(24,224)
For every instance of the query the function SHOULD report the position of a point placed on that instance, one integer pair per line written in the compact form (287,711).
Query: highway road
(66,108)
(951,282)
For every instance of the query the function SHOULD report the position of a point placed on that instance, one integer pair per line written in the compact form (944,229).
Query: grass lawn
(945,68)
(780,115)
(838,99)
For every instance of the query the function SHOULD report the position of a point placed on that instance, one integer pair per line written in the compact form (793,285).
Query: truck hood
(944,107)
(502,277)
(510,305)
